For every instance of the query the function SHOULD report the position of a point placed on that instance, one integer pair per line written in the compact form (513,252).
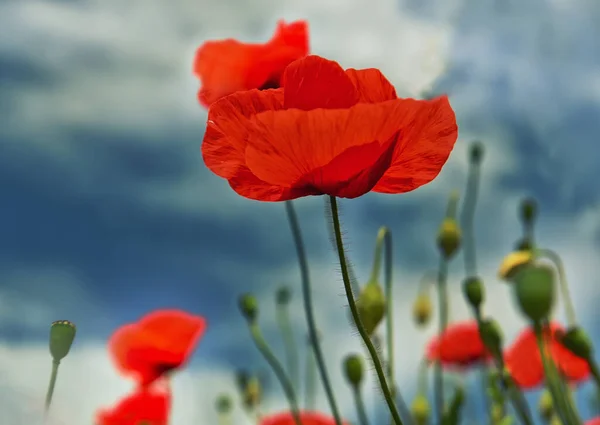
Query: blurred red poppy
(524,361)
(307,418)
(148,406)
(593,421)
(228,66)
(158,343)
(459,347)
(327,131)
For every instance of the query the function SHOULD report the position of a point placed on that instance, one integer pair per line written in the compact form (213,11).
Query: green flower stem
(310,380)
(422,381)
(291,351)
(443,324)
(353,309)
(363,419)
(564,285)
(278,369)
(308,309)
(593,365)
(51,385)
(562,407)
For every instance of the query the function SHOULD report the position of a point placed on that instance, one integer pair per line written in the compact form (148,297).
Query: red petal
(371,85)
(314,82)
(306,417)
(226,130)
(428,132)
(524,362)
(593,421)
(144,405)
(460,345)
(296,148)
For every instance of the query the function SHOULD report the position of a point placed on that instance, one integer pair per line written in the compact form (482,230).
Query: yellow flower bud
(545,405)
(513,262)
(422,309)
(420,410)
(371,306)
(449,237)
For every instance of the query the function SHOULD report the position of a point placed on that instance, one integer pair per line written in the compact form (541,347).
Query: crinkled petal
(428,132)
(143,405)
(246,184)
(314,82)
(371,84)
(226,130)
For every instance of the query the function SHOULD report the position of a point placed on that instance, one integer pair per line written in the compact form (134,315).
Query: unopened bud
(420,410)
(528,210)
(223,404)
(534,290)
(248,307)
(422,309)
(283,295)
(491,335)
(62,335)
(577,342)
(449,237)
(545,405)
(252,393)
(371,306)
(353,369)
(476,152)
(512,263)
(473,291)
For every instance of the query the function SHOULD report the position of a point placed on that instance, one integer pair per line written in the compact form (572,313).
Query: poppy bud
(223,404)
(449,237)
(546,405)
(473,291)
(422,309)
(249,307)
(528,211)
(534,289)
(420,410)
(577,342)
(491,335)
(524,244)
(252,393)
(512,263)
(371,306)
(283,295)
(353,369)
(476,152)
(62,334)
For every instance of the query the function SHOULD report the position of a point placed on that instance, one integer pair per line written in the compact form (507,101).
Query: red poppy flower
(228,66)
(524,361)
(327,131)
(460,346)
(150,406)
(158,343)
(593,421)
(307,418)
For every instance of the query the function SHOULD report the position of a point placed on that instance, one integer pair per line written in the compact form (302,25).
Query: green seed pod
(577,342)
(353,369)
(476,152)
(283,295)
(371,306)
(422,309)
(449,237)
(62,334)
(491,335)
(546,405)
(534,290)
(420,409)
(528,211)
(223,404)
(248,307)
(473,291)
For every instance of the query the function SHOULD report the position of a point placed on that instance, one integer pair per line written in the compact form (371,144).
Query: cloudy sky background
(108,211)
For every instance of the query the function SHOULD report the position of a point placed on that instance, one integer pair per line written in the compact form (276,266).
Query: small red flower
(327,131)
(150,406)
(307,418)
(158,343)
(524,361)
(460,346)
(227,66)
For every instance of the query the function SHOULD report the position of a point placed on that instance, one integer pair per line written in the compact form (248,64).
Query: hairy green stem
(289,343)
(278,369)
(443,324)
(308,310)
(389,399)
(51,385)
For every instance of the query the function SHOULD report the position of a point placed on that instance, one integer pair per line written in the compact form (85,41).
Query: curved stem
(422,382)
(51,385)
(308,310)
(291,351)
(283,379)
(363,419)
(467,219)
(443,306)
(309,384)
(353,309)
(564,285)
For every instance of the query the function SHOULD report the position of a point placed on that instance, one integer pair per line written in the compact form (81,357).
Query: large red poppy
(524,361)
(459,347)
(327,131)
(306,417)
(228,66)
(156,344)
(150,406)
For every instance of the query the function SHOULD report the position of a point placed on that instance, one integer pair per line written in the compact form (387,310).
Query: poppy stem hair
(278,369)
(308,310)
(355,316)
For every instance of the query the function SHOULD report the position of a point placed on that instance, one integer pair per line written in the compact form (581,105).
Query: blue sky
(108,211)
